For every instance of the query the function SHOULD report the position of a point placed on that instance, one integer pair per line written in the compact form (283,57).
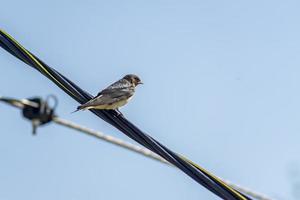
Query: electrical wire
(21,103)
(197,173)
(143,151)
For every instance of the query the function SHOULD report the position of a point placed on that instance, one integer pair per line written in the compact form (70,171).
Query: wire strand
(144,152)
(110,139)
(20,103)
(194,171)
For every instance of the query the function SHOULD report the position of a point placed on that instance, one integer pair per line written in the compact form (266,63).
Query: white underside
(110,107)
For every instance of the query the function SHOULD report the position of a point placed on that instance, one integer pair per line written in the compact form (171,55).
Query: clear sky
(221,87)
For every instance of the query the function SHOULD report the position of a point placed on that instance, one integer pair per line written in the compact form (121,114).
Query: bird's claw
(118,112)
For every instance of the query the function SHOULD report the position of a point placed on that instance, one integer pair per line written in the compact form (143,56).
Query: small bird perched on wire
(114,96)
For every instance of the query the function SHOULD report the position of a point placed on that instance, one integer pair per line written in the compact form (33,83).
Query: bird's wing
(117,91)
(115,95)
(119,85)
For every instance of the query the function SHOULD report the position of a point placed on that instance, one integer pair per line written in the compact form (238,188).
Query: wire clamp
(40,114)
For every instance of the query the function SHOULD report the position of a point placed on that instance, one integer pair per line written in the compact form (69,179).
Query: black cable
(119,121)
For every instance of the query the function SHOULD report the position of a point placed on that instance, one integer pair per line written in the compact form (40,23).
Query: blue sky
(221,87)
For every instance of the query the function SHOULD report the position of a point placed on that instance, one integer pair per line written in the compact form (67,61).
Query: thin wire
(145,152)
(110,139)
(204,178)
(19,103)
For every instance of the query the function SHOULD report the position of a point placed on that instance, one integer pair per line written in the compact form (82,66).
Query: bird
(114,96)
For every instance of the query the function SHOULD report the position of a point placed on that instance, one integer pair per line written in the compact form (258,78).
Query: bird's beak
(141,83)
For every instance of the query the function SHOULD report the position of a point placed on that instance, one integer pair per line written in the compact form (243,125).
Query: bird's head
(133,79)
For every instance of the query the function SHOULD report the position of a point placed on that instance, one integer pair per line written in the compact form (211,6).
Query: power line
(28,103)
(194,171)
(144,152)
(110,139)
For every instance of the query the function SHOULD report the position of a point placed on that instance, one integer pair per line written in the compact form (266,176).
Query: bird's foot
(118,112)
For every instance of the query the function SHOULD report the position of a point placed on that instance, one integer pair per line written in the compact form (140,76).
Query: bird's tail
(81,107)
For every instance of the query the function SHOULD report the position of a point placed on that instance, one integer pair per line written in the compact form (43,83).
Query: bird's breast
(118,104)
